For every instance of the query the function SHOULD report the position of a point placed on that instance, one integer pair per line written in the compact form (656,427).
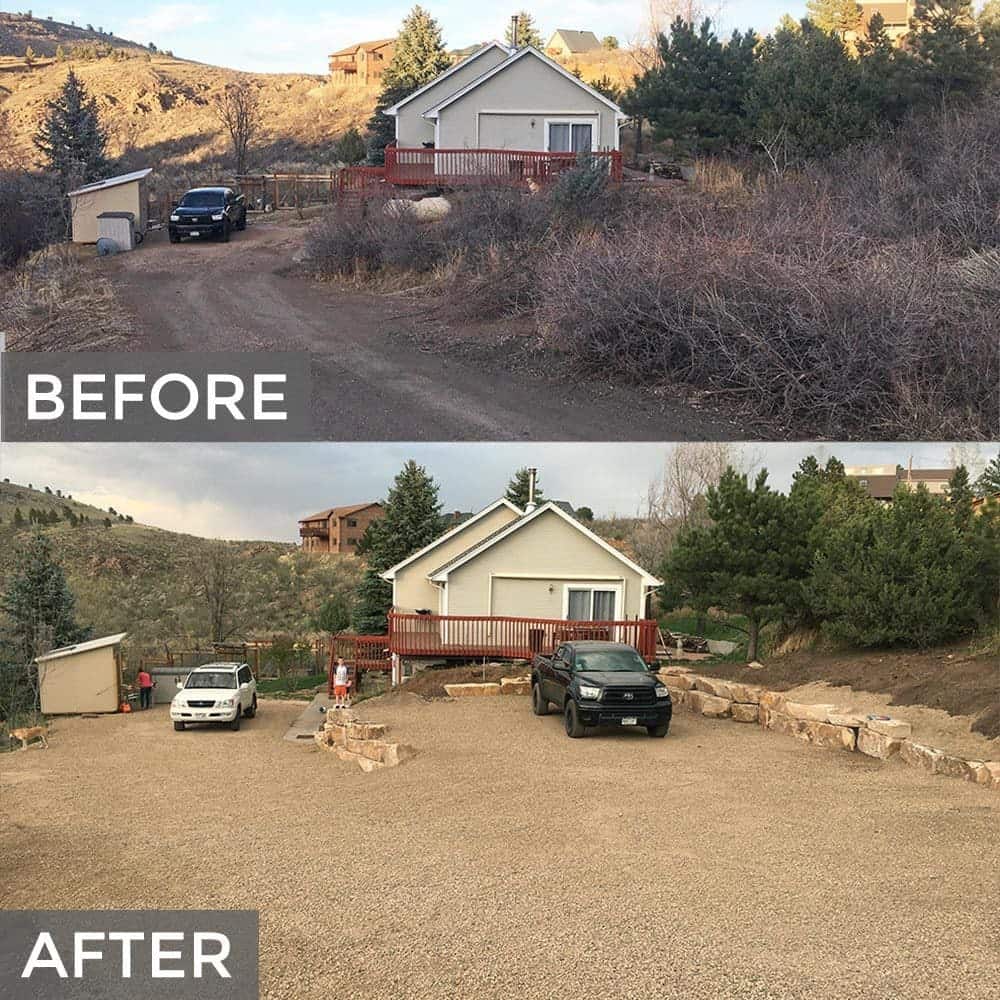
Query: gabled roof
(441,575)
(379,43)
(339,511)
(111,182)
(524,53)
(82,647)
(390,574)
(577,41)
(444,76)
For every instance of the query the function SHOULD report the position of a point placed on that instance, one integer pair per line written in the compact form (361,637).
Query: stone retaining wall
(823,725)
(507,685)
(361,742)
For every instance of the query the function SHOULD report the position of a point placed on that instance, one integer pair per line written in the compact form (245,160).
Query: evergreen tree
(835,16)
(885,72)
(38,602)
(988,484)
(806,98)
(519,489)
(418,57)
(584,514)
(71,137)
(960,496)
(411,519)
(527,33)
(951,59)
(894,574)
(350,147)
(696,93)
(984,560)
(334,615)
(750,560)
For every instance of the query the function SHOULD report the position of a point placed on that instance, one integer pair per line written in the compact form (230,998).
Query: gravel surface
(506,859)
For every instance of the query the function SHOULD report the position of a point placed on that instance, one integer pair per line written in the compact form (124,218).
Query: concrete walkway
(309,720)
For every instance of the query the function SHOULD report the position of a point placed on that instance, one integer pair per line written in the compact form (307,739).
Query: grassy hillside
(146,581)
(19,32)
(159,109)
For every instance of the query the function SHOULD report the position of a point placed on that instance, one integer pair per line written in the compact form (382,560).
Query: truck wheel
(574,727)
(225,231)
(179,727)
(235,724)
(658,731)
(242,224)
(174,238)
(252,710)
(538,704)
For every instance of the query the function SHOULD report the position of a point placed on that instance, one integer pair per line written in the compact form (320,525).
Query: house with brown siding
(362,64)
(880,481)
(337,529)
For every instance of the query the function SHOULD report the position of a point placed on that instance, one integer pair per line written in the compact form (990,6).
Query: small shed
(85,677)
(124,193)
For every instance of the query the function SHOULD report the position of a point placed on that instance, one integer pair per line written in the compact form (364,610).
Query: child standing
(340,675)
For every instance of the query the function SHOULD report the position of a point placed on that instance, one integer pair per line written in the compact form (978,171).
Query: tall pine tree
(71,137)
(988,483)
(951,59)
(519,489)
(527,32)
(835,16)
(418,57)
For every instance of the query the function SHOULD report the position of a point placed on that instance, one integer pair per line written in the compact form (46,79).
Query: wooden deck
(507,638)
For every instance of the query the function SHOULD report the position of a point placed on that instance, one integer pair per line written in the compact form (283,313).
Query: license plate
(196,233)
(201,715)
(630,720)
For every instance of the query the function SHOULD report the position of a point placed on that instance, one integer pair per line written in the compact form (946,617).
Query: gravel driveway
(506,860)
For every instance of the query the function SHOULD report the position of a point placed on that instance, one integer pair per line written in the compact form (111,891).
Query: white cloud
(171,17)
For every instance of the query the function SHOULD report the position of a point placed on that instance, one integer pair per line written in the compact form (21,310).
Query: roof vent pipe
(513,30)
(532,477)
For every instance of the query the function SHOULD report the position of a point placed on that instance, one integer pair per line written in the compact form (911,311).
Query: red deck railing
(508,637)
(360,652)
(463,167)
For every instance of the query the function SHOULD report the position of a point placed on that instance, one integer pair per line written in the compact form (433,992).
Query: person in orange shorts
(340,685)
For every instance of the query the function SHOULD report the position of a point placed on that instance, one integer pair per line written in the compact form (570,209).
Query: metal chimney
(532,477)
(514,20)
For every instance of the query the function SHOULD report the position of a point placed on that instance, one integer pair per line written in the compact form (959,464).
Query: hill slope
(159,110)
(147,581)
(19,32)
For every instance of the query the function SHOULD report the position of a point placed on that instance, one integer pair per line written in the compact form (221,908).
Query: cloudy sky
(261,490)
(296,35)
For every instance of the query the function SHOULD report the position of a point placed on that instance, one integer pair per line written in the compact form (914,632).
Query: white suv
(216,692)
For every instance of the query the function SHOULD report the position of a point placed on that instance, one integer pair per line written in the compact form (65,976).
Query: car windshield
(203,199)
(211,679)
(610,661)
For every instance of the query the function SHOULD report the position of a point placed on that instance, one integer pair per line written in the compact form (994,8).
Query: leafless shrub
(239,111)
(30,214)
(500,281)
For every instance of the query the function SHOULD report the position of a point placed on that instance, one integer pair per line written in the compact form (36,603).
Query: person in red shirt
(146,685)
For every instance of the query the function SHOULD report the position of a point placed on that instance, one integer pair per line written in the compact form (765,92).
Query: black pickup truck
(207,212)
(599,684)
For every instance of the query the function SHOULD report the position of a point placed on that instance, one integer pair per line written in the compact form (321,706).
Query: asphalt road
(372,379)
(505,860)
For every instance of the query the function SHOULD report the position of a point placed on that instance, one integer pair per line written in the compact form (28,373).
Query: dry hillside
(159,109)
(19,32)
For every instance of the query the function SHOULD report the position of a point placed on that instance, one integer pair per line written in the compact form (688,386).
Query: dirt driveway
(506,860)
(372,380)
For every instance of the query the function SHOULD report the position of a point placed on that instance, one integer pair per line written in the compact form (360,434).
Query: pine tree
(350,147)
(527,33)
(951,59)
(71,136)
(836,16)
(418,57)
(39,603)
(519,489)
(751,560)
(988,483)
(960,496)
(885,72)
(696,93)
(410,520)
(894,574)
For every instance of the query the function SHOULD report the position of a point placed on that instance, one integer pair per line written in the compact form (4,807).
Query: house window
(352,522)
(569,136)
(591,604)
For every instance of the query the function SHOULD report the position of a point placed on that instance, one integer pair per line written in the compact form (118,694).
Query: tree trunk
(754,632)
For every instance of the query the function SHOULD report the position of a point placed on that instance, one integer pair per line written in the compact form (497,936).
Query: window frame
(594,121)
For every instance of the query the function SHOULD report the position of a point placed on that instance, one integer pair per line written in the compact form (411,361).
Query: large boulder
(874,744)
(679,696)
(919,755)
(709,705)
(685,682)
(988,774)
(471,690)
(515,685)
(772,700)
(895,728)
(425,210)
(808,713)
(365,731)
(743,712)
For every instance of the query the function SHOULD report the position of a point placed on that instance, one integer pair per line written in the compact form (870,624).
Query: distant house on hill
(337,529)
(895,13)
(880,481)
(565,43)
(362,64)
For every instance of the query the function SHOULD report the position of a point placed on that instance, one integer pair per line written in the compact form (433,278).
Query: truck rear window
(203,199)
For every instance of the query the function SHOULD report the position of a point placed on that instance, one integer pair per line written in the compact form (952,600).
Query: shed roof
(82,647)
(110,182)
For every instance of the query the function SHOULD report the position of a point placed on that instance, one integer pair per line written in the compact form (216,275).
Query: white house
(500,98)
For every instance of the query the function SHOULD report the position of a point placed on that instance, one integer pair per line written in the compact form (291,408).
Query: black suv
(215,211)
(599,684)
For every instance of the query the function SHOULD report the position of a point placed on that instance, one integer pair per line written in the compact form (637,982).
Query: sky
(297,35)
(261,490)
